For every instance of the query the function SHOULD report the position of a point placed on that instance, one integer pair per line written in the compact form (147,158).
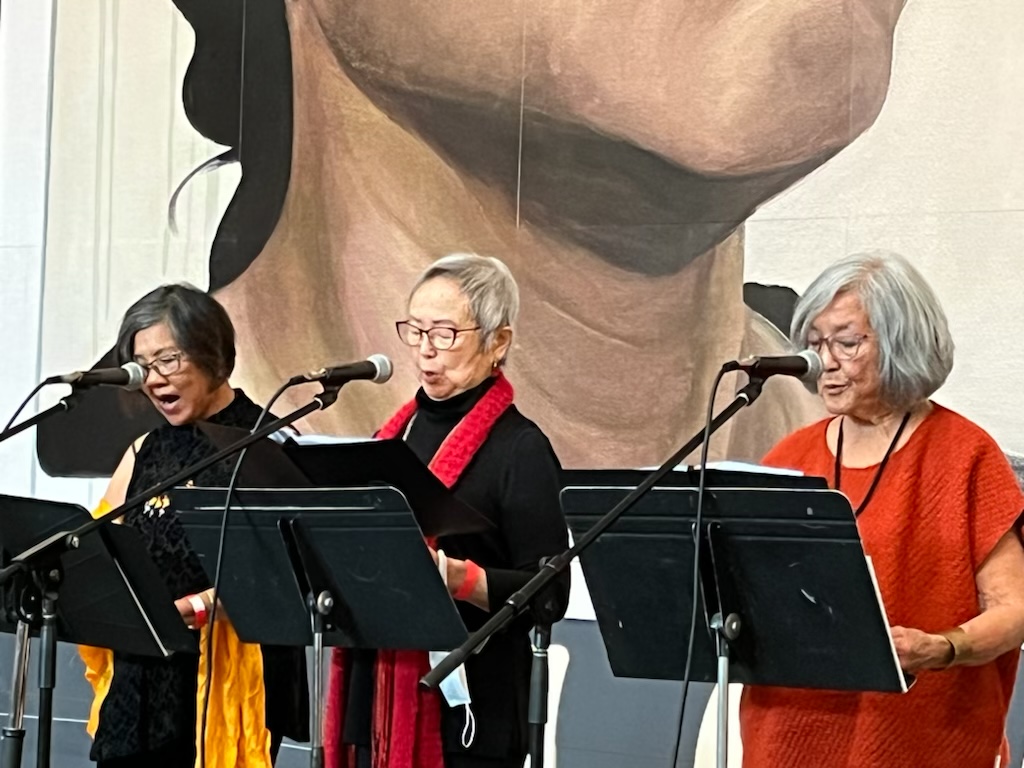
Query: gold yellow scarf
(236,732)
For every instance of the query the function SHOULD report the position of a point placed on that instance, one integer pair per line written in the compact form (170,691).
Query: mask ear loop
(469,728)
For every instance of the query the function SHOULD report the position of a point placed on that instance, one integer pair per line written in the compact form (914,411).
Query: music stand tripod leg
(13,736)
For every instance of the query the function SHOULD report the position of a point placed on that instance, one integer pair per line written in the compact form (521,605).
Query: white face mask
(455,687)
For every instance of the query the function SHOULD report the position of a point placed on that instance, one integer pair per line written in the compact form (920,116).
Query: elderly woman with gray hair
(937,506)
(463,425)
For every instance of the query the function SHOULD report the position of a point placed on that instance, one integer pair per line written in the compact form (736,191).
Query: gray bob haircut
(487,284)
(915,347)
(199,324)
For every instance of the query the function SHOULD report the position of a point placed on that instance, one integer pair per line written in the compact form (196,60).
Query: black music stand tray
(361,546)
(787,596)
(111,596)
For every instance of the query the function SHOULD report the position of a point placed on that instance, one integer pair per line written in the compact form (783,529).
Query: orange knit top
(945,499)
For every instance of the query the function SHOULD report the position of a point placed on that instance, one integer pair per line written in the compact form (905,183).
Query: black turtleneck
(436,418)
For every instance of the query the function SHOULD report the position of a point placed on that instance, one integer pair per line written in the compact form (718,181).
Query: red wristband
(473,572)
(199,607)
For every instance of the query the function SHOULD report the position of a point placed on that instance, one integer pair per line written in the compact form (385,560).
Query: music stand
(787,595)
(112,596)
(317,563)
(362,546)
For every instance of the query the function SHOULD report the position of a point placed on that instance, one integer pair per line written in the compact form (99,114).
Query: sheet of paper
(743,466)
(905,680)
(329,439)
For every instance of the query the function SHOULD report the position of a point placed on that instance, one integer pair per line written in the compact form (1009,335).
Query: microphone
(806,365)
(129,376)
(375,368)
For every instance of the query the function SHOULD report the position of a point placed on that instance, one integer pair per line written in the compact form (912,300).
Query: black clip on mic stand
(34,578)
(520,601)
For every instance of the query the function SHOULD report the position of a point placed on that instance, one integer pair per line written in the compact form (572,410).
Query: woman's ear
(501,345)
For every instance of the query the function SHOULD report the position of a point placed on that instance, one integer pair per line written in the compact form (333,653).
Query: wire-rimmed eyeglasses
(440,337)
(844,346)
(167,364)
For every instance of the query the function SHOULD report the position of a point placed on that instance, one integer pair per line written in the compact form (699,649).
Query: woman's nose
(829,361)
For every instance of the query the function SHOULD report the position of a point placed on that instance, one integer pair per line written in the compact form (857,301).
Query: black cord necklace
(881,467)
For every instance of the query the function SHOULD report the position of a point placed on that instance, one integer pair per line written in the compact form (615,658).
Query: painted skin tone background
(607,152)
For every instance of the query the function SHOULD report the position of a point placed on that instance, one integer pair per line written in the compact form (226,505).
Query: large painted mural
(661,177)
(609,152)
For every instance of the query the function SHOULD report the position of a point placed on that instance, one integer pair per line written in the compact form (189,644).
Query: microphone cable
(695,594)
(217,574)
(21,407)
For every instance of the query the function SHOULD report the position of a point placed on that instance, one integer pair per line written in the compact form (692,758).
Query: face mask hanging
(455,687)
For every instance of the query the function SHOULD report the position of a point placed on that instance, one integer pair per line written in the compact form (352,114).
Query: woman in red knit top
(937,505)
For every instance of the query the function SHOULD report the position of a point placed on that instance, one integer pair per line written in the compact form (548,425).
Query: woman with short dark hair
(145,711)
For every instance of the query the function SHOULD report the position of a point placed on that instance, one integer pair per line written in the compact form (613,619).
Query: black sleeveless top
(151,703)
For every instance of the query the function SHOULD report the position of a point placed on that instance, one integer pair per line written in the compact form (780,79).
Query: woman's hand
(458,572)
(919,650)
(187,608)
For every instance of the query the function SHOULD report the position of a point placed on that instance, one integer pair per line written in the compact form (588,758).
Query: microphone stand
(520,601)
(35,576)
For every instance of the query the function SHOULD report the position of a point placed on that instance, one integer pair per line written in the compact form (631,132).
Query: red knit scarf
(407,718)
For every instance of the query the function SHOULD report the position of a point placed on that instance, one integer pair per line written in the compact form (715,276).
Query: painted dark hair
(237,92)
(199,324)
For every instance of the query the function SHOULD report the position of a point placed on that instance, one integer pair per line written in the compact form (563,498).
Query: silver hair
(915,348)
(487,284)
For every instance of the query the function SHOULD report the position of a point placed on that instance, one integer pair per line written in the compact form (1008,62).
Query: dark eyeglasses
(165,365)
(440,337)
